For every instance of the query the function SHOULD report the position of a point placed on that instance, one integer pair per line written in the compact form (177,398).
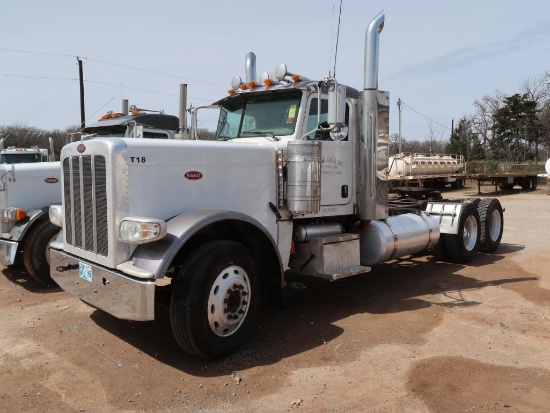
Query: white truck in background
(296,183)
(28,190)
(34,154)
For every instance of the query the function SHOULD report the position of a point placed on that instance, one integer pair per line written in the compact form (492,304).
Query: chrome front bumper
(8,249)
(113,292)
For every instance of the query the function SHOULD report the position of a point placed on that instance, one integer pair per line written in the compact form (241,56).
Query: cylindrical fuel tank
(304,176)
(397,236)
(306,232)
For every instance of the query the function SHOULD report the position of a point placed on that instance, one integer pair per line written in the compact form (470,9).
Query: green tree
(517,129)
(464,141)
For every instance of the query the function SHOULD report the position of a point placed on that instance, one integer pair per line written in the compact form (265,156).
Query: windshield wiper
(261,133)
(223,138)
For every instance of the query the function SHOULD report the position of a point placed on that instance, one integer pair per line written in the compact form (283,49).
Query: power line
(97,83)
(110,63)
(424,116)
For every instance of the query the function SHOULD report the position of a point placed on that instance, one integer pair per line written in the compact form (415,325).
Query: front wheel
(215,300)
(492,224)
(463,246)
(36,255)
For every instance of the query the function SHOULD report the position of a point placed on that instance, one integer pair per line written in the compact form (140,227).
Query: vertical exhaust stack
(250,67)
(183,133)
(374,145)
(124,106)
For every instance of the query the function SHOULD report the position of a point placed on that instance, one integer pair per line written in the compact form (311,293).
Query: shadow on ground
(314,308)
(19,276)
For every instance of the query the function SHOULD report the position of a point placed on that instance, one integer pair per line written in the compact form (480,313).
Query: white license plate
(85,271)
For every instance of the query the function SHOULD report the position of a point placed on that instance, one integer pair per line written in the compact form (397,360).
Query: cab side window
(312,119)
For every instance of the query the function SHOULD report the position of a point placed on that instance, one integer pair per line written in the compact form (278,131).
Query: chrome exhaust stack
(250,67)
(183,132)
(374,145)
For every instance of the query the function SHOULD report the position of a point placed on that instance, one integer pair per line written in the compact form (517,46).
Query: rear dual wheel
(492,224)
(463,246)
(215,300)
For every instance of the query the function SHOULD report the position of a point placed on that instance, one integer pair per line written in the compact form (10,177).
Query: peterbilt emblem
(51,180)
(81,148)
(193,175)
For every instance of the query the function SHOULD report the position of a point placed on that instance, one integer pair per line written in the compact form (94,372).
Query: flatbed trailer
(428,181)
(507,181)
(504,181)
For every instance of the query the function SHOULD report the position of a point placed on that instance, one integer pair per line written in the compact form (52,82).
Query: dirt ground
(414,335)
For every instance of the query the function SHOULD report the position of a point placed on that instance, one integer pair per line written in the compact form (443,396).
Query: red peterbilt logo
(52,180)
(81,148)
(193,175)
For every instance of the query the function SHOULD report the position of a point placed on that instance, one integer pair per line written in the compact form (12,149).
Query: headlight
(57,217)
(141,230)
(13,214)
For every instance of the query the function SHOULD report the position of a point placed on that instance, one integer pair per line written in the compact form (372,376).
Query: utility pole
(81,78)
(399,106)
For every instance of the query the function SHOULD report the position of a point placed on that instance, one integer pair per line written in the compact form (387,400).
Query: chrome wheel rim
(495,223)
(470,233)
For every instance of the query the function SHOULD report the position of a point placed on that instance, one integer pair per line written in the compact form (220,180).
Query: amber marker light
(231,91)
(267,82)
(243,87)
(252,84)
(295,78)
(13,214)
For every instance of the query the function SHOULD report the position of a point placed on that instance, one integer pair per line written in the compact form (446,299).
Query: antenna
(337,37)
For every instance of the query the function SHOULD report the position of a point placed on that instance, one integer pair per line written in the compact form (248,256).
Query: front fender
(156,257)
(21,228)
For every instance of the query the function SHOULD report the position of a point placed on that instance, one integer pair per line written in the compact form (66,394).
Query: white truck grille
(85,198)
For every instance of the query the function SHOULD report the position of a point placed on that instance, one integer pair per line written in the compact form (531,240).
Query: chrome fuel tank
(397,236)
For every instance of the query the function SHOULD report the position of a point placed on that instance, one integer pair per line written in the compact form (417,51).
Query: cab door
(336,157)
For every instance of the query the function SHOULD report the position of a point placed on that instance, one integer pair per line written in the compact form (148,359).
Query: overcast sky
(437,56)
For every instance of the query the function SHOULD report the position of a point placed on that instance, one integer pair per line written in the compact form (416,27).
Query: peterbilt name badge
(193,175)
(81,148)
(51,180)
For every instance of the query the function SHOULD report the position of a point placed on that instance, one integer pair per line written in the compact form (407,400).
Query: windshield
(114,130)
(270,114)
(10,158)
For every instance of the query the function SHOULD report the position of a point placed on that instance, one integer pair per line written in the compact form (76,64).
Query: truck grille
(85,195)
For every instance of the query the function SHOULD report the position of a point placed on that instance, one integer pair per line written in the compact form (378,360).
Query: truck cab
(12,155)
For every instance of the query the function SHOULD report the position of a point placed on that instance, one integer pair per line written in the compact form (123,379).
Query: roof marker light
(236,82)
(264,78)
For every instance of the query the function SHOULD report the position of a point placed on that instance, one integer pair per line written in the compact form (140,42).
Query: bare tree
(482,119)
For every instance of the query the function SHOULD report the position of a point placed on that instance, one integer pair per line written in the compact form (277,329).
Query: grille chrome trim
(85,198)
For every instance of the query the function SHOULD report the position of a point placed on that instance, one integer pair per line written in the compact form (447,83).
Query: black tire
(458,184)
(492,224)
(463,246)
(439,251)
(36,257)
(215,300)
